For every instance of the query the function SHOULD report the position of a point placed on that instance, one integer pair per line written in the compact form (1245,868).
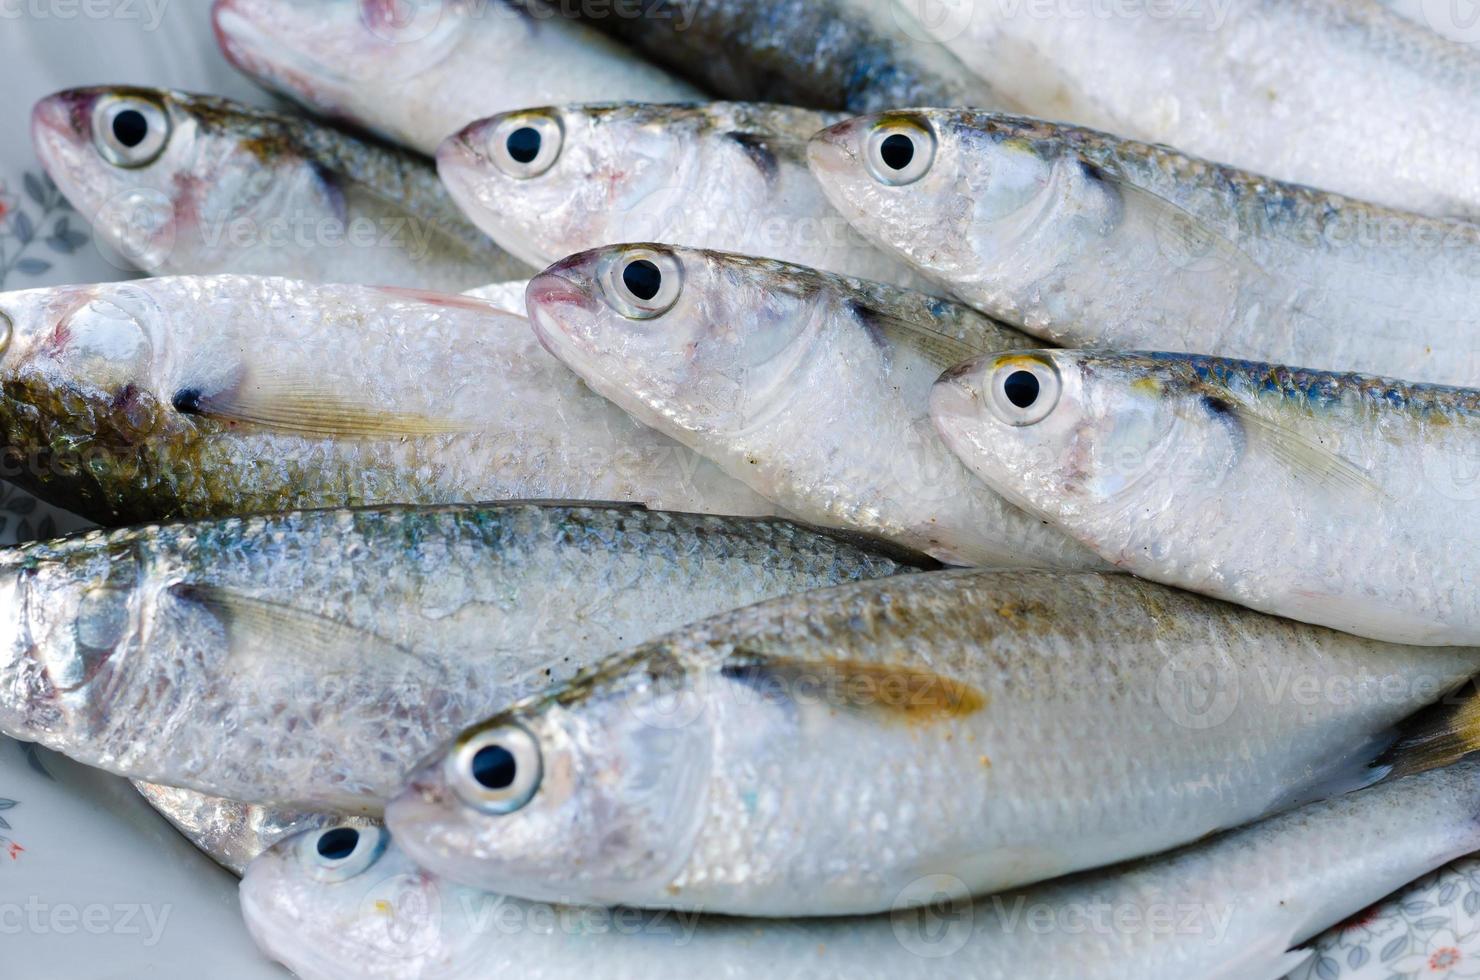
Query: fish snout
(834,152)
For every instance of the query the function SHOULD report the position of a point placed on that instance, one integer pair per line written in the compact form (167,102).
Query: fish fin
(305,407)
(1179,232)
(941,349)
(254,624)
(1434,737)
(758,149)
(891,691)
(1299,453)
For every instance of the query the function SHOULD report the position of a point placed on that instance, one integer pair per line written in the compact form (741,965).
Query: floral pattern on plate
(1428,931)
(35,224)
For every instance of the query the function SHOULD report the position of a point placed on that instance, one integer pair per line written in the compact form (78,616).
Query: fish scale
(1015,748)
(310,658)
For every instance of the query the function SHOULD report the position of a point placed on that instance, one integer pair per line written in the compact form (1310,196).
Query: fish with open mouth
(1347,500)
(204,396)
(344,902)
(816,755)
(311,659)
(181,184)
(810,388)
(417,73)
(1090,240)
(1342,95)
(547,182)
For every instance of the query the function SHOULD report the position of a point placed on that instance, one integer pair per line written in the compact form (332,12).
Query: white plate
(93,883)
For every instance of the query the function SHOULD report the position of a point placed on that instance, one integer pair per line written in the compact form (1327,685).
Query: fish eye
(526,145)
(339,853)
(496,771)
(130,131)
(900,151)
(1024,390)
(642,283)
(7,329)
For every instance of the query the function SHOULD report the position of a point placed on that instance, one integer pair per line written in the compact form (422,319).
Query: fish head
(701,340)
(83,399)
(73,612)
(544,183)
(343,894)
(323,52)
(945,192)
(171,181)
(592,793)
(1084,438)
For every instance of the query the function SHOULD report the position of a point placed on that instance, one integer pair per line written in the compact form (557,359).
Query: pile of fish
(659,521)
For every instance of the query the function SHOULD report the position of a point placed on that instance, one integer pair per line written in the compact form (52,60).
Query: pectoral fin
(890,691)
(307,408)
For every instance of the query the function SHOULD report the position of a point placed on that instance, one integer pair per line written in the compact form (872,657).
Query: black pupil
(898,151)
(494,767)
(1021,388)
(642,279)
(339,843)
(524,144)
(130,127)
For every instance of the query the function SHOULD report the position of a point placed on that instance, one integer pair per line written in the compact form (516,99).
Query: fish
(547,182)
(838,55)
(1346,96)
(311,659)
(1449,20)
(233,833)
(182,184)
(193,397)
(1084,239)
(812,389)
(415,75)
(1347,500)
(816,755)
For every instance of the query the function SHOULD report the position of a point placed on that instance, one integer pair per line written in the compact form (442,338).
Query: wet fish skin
(1340,499)
(239,189)
(417,79)
(841,55)
(820,755)
(812,389)
(720,175)
(311,659)
(205,396)
(1342,95)
(1089,240)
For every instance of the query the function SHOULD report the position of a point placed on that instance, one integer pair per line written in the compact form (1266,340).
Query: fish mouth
(60,126)
(956,403)
(833,152)
(556,306)
(272,59)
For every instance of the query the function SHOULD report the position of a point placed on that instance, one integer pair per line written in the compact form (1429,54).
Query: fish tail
(1436,736)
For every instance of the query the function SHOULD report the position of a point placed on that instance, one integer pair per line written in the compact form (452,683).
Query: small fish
(548,182)
(190,184)
(1339,94)
(205,396)
(311,659)
(233,833)
(820,754)
(417,73)
(1340,499)
(810,388)
(1089,240)
(842,55)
